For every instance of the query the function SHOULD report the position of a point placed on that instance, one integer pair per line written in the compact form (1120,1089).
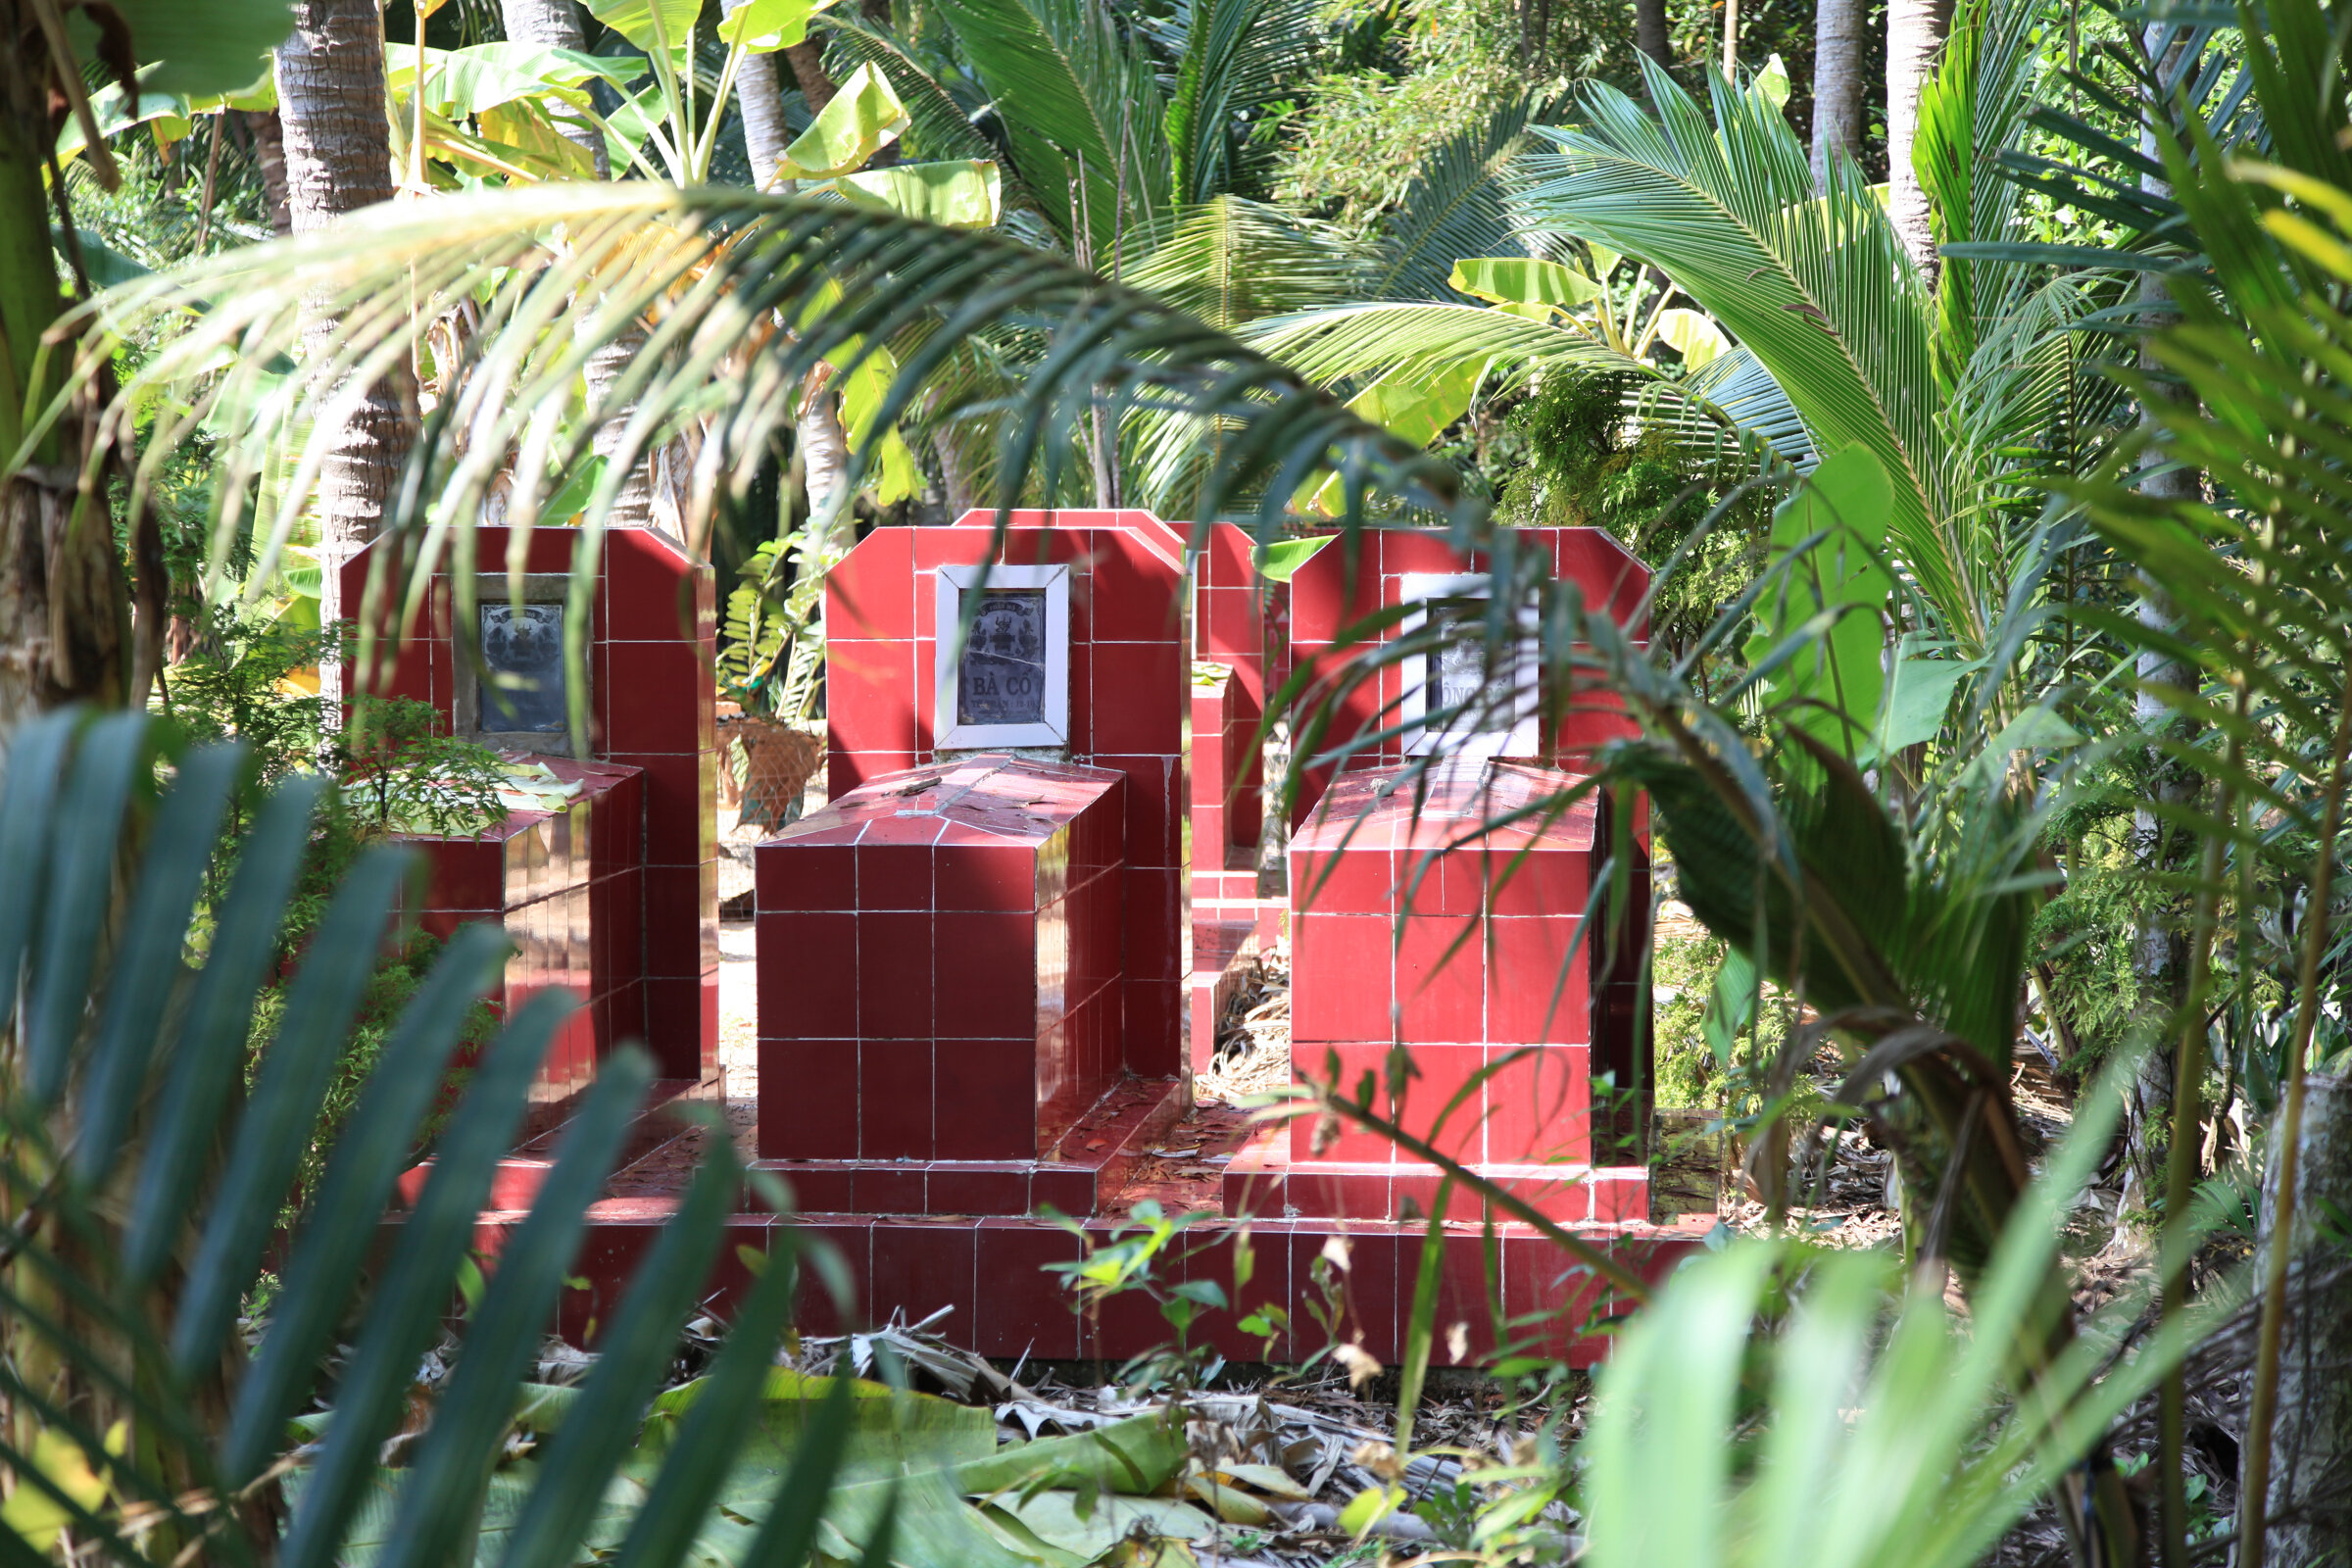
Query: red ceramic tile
(1441,979)
(920,1268)
(658,700)
(1539,991)
(675,830)
(1366,1288)
(891,1189)
(680,1028)
(894,976)
(1348,881)
(818,1118)
(1138,689)
(987,974)
(812,876)
(1549,1300)
(873,592)
(987,1098)
(1539,882)
(1340,969)
(1539,1105)
(823,1188)
(673,923)
(1025,1310)
(894,1099)
(869,695)
(819,1311)
(1154,929)
(847,770)
(1064,1189)
(1153,1044)
(894,877)
(809,975)
(1155,808)
(624,919)
(1358,1192)
(986,876)
(643,576)
(1445,1102)
(977,1187)
(628,1013)
(1349,1142)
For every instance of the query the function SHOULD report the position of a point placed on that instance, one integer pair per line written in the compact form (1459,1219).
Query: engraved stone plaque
(1002,679)
(1463,682)
(525,641)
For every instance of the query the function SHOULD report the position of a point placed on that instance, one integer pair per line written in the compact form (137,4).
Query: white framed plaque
(1454,702)
(1007,681)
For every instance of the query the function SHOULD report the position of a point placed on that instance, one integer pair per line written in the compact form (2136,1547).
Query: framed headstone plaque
(517,698)
(1004,656)
(1466,698)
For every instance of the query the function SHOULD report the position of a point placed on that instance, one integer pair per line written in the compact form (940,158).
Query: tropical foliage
(1937,616)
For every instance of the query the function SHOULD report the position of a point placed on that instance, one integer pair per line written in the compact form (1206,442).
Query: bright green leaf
(956,193)
(863,117)
(218,47)
(634,21)
(1830,688)
(763,26)
(1524,280)
(1693,335)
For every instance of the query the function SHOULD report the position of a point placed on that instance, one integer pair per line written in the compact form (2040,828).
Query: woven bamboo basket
(778,762)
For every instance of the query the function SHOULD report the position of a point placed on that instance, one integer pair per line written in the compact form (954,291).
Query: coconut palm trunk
(1915,34)
(556,25)
(1649,30)
(824,445)
(1836,82)
(338,159)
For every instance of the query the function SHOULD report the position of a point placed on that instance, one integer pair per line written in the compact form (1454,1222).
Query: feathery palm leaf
(746,295)
(1081,109)
(1235,58)
(1815,284)
(1457,205)
(145,1179)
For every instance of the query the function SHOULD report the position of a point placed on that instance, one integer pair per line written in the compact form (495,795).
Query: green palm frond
(1235,58)
(147,1177)
(1232,261)
(1457,205)
(1815,284)
(562,268)
(1081,109)
(940,105)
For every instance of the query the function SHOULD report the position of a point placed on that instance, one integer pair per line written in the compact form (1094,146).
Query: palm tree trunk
(1915,34)
(824,444)
(338,156)
(270,155)
(1649,30)
(1836,82)
(761,103)
(2160,949)
(556,25)
(64,613)
(2306,1502)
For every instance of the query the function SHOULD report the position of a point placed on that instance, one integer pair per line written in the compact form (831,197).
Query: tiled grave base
(1086,1168)
(989,1272)
(515,1186)
(1263,1179)
(1231,895)
(987,1264)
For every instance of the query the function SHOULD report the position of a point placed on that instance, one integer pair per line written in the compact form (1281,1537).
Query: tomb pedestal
(652,703)
(941,998)
(1412,925)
